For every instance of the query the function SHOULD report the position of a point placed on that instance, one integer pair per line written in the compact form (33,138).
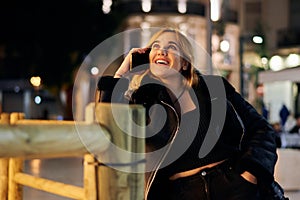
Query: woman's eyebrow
(171,42)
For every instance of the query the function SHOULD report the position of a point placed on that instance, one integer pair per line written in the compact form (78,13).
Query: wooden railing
(22,139)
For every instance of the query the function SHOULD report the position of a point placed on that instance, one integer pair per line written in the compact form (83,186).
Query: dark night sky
(38,36)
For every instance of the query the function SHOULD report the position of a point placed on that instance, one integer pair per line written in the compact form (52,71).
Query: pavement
(65,170)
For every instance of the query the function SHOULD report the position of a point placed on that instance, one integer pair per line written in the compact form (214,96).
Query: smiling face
(165,59)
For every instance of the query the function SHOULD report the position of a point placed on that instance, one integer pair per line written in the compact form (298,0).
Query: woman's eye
(172,47)
(155,46)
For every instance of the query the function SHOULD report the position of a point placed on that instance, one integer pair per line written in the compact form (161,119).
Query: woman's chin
(163,71)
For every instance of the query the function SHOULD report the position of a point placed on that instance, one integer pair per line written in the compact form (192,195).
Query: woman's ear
(184,64)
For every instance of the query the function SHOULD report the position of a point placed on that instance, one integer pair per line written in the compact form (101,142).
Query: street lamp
(256,39)
(213,14)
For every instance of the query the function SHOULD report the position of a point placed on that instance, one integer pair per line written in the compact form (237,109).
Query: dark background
(49,38)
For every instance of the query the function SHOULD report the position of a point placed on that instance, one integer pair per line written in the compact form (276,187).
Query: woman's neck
(181,90)
(177,84)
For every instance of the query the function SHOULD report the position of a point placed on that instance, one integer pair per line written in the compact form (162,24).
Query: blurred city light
(35,81)
(264,62)
(94,70)
(146,5)
(293,60)
(215,9)
(225,46)
(17,89)
(37,99)
(106,6)
(181,6)
(257,39)
(280,62)
(276,63)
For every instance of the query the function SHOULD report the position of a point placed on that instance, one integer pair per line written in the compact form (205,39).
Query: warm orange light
(35,81)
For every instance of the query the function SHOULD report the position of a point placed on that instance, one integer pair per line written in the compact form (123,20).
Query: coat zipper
(171,140)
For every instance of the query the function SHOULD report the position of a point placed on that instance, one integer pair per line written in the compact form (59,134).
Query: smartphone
(140,61)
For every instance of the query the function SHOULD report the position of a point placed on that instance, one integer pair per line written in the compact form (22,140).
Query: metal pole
(241,66)
(209,33)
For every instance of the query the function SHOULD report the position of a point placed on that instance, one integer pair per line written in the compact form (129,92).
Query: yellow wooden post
(54,187)
(123,122)
(3,178)
(4,119)
(14,189)
(89,178)
(15,165)
(14,117)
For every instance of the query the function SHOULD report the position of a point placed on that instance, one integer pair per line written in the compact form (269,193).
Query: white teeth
(162,62)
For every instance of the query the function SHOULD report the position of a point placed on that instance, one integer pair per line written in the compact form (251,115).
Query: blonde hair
(187,55)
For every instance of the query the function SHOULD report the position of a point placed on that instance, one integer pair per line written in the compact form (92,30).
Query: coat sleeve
(258,147)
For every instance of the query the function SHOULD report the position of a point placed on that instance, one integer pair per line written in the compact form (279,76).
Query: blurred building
(193,18)
(281,80)
(248,64)
(18,95)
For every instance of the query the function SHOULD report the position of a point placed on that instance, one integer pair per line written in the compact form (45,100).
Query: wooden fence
(22,139)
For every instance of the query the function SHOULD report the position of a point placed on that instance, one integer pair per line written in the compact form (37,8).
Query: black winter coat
(258,148)
(250,137)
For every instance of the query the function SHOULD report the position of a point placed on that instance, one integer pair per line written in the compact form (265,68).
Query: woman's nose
(162,51)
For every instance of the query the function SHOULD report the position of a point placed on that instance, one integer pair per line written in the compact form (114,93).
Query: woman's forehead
(170,37)
(167,34)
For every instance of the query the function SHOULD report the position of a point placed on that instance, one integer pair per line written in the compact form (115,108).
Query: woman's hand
(125,66)
(249,177)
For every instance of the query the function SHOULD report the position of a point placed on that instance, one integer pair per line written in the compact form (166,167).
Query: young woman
(206,157)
